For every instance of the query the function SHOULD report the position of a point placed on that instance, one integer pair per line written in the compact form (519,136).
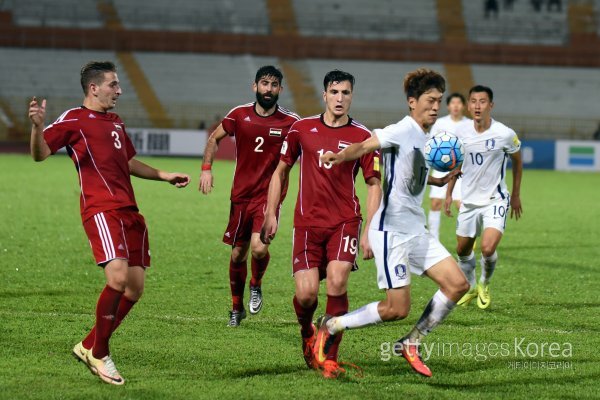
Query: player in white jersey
(398,237)
(485,198)
(455,103)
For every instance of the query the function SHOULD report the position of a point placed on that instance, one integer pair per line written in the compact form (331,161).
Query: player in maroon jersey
(327,219)
(259,129)
(98,144)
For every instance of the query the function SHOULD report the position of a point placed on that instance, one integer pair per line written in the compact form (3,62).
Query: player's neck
(483,125)
(90,104)
(335,121)
(264,112)
(456,118)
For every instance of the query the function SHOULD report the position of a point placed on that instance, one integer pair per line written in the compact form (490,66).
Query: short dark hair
(422,80)
(480,89)
(455,95)
(268,70)
(337,76)
(94,72)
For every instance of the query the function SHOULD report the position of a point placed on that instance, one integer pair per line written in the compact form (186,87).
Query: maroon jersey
(100,148)
(326,196)
(258,142)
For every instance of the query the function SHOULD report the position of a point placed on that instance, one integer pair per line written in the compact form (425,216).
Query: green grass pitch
(175,345)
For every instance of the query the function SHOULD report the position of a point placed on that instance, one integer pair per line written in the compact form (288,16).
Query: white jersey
(445,124)
(405,178)
(484,166)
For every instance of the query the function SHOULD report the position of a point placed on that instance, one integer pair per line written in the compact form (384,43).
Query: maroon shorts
(315,247)
(244,220)
(121,234)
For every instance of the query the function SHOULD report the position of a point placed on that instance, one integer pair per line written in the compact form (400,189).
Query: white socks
(435,312)
(467,265)
(488,265)
(433,222)
(364,316)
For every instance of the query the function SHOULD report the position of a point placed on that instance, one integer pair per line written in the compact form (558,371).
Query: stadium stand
(54,75)
(196,87)
(234,16)
(520,24)
(393,20)
(66,13)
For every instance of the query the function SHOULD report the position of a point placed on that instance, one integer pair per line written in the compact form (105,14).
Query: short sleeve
(59,135)
(290,149)
(369,163)
(129,147)
(513,144)
(229,121)
(388,136)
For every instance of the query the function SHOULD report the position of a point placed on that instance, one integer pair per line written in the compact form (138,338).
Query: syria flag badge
(275,132)
(342,145)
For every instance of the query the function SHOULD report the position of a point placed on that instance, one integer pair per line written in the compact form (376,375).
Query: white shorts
(473,220)
(397,255)
(436,192)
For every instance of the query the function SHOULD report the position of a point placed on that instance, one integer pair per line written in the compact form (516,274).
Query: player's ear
(412,103)
(254,87)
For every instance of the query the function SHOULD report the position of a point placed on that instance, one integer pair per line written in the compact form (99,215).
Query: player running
(455,103)
(327,219)
(485,197)
(397,234)
(259,129)
(97,142)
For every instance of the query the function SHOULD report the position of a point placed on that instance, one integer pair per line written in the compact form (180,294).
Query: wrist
(206,167)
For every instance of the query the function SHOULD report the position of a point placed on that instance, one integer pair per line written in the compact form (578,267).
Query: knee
(260,253)
(134,293)
(458,288)
(393,312)
(306,299)
(336,284)
(487,250)
(237,255)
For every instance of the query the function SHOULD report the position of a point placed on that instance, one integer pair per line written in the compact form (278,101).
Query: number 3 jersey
(100,148)
(258,142)
(326,195)
(484,166)
(405,177)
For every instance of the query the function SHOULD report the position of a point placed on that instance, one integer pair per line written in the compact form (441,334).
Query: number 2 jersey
(100,149)
(405,178)
(258,143)
(326,194)
(484,166)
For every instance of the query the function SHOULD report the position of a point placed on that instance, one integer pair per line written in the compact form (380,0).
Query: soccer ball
(444,152)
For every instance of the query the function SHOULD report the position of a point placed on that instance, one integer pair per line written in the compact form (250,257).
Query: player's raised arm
(352,152)
(38,146)
(515,200)
(278,182)
(144,171)
(212,145)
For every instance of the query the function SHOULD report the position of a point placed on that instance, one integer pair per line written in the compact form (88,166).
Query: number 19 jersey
(326,195)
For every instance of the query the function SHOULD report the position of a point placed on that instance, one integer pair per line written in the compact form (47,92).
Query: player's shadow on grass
(11,294)
(272,370)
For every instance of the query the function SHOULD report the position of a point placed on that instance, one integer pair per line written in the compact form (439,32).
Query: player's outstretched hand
(206,182)
(37,112)
(269,229)
(365,246)
(448,206)
(515,207)
(332,158)
(178,179)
